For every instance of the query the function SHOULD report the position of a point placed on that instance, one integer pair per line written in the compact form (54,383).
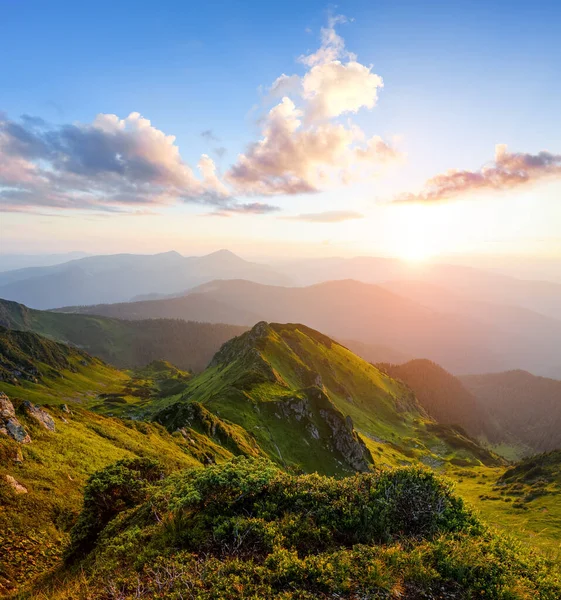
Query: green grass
(266,394)
(55,468)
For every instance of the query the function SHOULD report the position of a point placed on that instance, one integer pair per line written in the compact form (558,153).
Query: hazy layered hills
(117,278)
(470,283)
(526,408)
(125,277)
(126,344)
(453,336)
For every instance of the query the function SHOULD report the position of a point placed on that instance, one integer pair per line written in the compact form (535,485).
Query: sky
(388,128)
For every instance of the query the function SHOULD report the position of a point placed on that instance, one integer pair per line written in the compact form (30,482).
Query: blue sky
(459,77)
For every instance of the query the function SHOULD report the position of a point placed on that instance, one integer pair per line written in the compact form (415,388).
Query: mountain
(125,344)
(372,315)
(470,283)
(192,307)
(312,404)
(120,277)
(10,262)
(527,408)
(442,395)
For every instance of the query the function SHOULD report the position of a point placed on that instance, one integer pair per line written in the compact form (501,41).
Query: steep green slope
(312,404)
(37,369)
(126,344)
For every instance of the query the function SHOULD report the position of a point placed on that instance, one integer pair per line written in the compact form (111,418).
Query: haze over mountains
(465,319)
(124,277)
(121,277)
(505,338)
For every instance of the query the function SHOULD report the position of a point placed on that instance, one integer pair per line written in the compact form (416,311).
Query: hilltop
(311,404)
(293,401)
(125,344)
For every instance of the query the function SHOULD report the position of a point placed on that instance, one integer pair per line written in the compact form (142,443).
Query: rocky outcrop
(9,423)
(41,416)
(15,485)
(297,408)
(346,440)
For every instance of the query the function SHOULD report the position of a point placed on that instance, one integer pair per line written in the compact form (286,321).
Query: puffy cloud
(508,170)
(112,164)
(335,88)
(302,149)
(107,163)
(330,216)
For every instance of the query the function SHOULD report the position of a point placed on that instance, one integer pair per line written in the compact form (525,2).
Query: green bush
(108,492)
(250,506)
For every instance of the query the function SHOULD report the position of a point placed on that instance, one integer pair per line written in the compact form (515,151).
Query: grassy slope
(126,344)
(239,389)
(533,518)
(34,526)
(255,376)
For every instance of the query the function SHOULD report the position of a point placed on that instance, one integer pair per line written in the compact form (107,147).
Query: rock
(313,431)
(18,456)
(15,485)
(9,423)
(347,442)
(298,408)
(40,415)
(7,409)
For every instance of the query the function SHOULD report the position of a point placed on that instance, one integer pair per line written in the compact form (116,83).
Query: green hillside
(311,404)
(126,344)
(53,468)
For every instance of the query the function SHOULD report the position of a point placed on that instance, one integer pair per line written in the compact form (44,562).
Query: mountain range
(126,344)
(125,277)
(120,277)
(411,318)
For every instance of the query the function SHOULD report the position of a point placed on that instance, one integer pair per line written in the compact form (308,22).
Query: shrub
(108,492)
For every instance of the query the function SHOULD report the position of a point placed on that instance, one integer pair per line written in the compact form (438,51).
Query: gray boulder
(9,423)
(41,416)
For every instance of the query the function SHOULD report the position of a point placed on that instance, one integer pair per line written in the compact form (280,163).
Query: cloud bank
(509,170)
(107,165)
